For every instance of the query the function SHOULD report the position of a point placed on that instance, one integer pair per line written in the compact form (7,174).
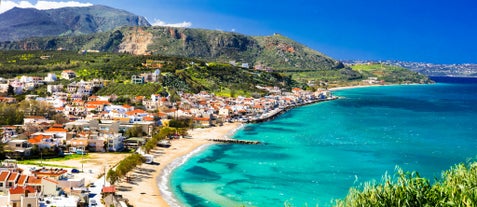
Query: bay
(314,154)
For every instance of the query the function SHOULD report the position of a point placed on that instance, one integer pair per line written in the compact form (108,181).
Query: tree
(60,118)
(135,131)
(10,90)
(112,176)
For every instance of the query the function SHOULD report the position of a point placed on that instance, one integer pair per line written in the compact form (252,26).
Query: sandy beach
(143,190)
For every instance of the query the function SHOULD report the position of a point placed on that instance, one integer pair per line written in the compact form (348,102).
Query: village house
(68,74)
(54,88)
(135,79)
(50,77)
(18,148)
(23,196)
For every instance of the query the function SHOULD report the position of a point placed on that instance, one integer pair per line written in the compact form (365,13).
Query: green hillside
(275,52)
(390,73)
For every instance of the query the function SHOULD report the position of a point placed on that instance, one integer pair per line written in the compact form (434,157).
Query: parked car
(93,202)
(74,170)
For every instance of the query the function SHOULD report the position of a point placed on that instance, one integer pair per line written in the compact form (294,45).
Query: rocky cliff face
(276,51)
(17,24)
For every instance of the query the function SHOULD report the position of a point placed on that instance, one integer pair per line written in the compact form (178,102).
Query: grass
(42,164)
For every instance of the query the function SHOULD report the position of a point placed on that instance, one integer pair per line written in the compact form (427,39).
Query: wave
(164,177)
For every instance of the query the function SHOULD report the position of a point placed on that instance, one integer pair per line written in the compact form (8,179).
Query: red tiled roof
(56,130)
(136,111)
(50,180)
(13,176)
(22,180)
(4,175)
(33,180)
(98,103)
(22,190)
(109,189)
(38,138)
(147,118)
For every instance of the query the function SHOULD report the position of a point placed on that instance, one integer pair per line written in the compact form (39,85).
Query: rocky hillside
(276,52)
(18,23)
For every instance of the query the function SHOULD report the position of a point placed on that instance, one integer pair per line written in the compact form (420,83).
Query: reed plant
(456,187)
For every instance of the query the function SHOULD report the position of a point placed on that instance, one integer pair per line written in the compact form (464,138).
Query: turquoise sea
(314,154)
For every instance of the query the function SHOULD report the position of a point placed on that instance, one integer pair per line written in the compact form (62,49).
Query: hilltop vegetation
(186,74)
(276,52)
(390,73)
(180,74)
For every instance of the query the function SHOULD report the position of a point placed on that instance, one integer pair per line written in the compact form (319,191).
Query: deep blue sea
(314,154)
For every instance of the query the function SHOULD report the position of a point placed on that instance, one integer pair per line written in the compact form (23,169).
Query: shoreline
(154,190)
(149,184)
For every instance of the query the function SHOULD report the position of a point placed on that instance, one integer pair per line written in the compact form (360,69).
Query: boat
(164,143)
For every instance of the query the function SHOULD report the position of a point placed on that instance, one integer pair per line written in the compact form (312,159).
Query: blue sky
(410,30)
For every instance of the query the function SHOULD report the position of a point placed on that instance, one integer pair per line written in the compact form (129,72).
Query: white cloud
(41,5)
(158,22)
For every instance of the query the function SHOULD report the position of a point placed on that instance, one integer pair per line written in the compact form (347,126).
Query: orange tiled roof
(56,130)
(135,111)
(38,138)
(13,176)
(51,180)
(4,176)
(147,118)
(33,180)
(22,180)
(98,102)
(22,190)
(109,189)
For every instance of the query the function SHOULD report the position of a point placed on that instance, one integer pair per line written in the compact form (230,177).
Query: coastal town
(94,126)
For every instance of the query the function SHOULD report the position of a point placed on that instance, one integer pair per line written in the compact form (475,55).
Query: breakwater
(235,141)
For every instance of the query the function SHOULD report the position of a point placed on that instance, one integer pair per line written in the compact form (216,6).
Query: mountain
(20,23)
(276,51)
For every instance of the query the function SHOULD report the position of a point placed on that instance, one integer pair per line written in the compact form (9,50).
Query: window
(28,205)
(1,185)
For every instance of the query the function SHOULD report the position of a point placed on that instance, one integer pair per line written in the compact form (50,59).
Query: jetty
(235,141)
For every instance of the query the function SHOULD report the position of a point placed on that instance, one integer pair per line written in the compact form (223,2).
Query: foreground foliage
(124,166)
(457,187)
